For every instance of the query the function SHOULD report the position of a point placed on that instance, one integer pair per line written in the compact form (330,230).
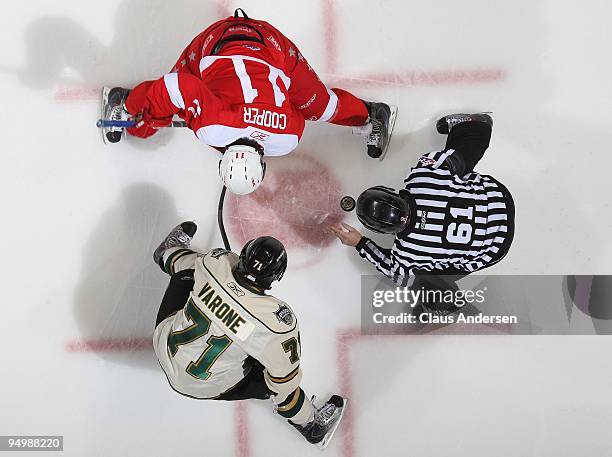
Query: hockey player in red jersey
(245,89)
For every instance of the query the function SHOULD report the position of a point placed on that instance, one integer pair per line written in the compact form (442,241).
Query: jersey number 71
(199,369)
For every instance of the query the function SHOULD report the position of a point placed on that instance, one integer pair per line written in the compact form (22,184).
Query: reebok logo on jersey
(234,288)
(284,315)
(224,312)
(259,136)
(423,220)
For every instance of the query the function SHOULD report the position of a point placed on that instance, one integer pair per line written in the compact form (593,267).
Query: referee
(449,220)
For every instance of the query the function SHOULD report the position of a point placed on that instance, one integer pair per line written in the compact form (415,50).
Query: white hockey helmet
(242,169)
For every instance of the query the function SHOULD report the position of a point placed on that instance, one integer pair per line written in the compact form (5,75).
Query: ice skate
(446,123)
(179,237)
(113,108)
(326,420)
(382,121)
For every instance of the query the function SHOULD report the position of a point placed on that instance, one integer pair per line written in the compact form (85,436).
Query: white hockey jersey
(203,347)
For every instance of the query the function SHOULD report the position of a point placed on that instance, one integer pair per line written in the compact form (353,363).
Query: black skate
(321,429)
(382,121)
(179,237)
(113,108)
(445,124)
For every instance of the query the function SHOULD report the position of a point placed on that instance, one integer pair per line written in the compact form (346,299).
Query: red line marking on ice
(241,424)
(302,226)
(110,345)
(76,93)
(344,339)
(410,78)
(329,24)
(344,364)
(425,78)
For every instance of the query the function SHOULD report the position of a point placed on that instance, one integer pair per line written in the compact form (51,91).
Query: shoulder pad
(274,314)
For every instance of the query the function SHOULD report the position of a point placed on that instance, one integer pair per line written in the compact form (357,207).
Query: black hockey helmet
(383,210)
(262,261)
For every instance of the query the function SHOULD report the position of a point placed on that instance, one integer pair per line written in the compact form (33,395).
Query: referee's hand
(349,236)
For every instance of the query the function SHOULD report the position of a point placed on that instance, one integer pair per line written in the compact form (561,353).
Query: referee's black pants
(471,139)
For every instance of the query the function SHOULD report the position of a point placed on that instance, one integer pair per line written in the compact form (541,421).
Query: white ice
(81,220)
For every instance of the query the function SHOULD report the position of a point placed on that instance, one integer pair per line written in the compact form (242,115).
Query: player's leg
(124,104)
(468,134)
(175,258)
(121,104)
(176,295)
(317,425)
(135,103)
(252,386)
(113,108)
(317,102)
(173,253)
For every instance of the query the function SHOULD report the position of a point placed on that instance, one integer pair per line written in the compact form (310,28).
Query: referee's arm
(382,259)
(385,262)
(379,257)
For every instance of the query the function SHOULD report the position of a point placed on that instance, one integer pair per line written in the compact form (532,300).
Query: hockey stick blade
(102,123)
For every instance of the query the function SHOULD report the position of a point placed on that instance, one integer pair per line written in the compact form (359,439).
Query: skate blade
(391,127)
(325,442)
(103,103)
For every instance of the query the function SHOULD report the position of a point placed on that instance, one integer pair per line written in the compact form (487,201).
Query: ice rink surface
(80,291)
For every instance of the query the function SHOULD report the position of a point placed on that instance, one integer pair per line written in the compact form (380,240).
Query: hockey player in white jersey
(219,336)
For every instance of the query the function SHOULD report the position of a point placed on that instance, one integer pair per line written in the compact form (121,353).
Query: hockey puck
(347,203)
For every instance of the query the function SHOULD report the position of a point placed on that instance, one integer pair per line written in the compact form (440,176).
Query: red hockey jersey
(258,86)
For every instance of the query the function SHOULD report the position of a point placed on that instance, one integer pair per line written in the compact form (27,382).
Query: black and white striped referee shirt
(458,224)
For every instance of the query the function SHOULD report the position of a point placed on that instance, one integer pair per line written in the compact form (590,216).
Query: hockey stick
(127,124)
(220,220)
